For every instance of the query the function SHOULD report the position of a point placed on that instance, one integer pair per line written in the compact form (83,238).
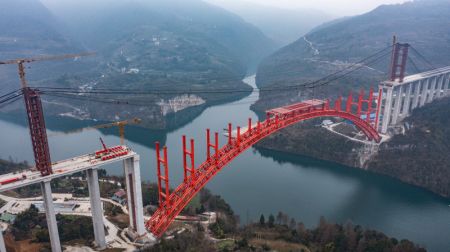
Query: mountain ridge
(173,44)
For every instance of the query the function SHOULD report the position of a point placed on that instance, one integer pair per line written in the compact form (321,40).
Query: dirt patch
(22,246)
(279,245)
(121,220)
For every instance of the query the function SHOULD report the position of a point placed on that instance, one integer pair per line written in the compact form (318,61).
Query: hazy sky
(336,7)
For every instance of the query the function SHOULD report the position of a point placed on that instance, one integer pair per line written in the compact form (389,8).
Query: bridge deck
(60,169)
(419,76)
(296,107)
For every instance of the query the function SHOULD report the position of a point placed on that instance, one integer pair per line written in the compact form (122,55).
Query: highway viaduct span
(89,164)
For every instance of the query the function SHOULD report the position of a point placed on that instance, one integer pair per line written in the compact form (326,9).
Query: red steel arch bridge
(172,202)
(372,113)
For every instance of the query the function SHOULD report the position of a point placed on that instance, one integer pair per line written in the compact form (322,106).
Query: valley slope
(333,46)
(177,46)
(421,155)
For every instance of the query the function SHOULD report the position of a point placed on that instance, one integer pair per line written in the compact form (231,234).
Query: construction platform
(301,106)
(62,168)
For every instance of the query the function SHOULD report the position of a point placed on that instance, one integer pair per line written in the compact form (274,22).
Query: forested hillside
(140,45)
(421,156)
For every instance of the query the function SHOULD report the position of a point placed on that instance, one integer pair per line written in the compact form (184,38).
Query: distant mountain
(198,23)
(158,44)
(284,26)
(27,28)
(424,24)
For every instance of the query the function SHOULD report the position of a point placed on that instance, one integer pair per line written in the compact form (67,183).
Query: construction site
(373,116)
(45,171)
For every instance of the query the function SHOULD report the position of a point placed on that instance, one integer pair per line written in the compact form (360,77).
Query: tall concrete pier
(96,208)
(50,215)
(400,98)
(134,195)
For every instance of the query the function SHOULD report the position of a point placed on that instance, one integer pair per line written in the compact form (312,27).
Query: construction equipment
(120,125)
(35,114)
(110,153)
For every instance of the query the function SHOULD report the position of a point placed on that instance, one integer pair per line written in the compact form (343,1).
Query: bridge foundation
(134,195)
(96,208)
(50,216)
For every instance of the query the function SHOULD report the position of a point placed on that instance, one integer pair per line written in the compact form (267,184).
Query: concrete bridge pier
(2,242)
(406,101)
(398,101)
(423,95)
(50,216)
(433,84)
(387,109)
(417,87)
(401,97)
(447,85)
(134,195)
(96,208)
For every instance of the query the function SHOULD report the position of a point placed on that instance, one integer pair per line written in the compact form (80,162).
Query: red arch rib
(183,194)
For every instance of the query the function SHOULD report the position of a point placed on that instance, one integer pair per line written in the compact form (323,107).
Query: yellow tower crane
(120,125)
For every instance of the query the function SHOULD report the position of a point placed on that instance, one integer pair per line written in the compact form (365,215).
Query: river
(263,182)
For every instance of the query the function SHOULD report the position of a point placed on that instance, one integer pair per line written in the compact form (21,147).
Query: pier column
(407,101)
(2,242)
(96,208)
(432,89)
(387,109)
(440,85)
(417,88)
(50,216)
(447,84)
(134,194)
(398,102)
(423,95)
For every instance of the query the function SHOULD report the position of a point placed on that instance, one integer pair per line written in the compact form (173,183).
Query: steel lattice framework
(38,133)
(172,203)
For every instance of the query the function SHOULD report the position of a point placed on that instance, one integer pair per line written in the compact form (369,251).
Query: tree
(243,243)
(279,217)
(302,233)
(284,219)
(271,220)
(102,173)
(352,236)
(292,224)
(262,220)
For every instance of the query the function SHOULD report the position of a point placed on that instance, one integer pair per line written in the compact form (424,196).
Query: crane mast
(35,112)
